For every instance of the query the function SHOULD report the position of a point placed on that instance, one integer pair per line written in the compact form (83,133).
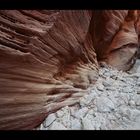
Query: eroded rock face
(115,35)
(48,58)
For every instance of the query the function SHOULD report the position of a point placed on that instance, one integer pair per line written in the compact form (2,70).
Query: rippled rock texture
(48,58)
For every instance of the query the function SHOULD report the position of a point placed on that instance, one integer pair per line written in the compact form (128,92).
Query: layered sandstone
(48,58)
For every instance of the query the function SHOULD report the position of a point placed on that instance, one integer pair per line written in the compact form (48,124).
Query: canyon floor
(113,103)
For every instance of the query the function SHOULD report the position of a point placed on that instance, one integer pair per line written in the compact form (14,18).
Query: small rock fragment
(57,126)
(76,124)
(100,87)
(137,100)
(49,120)
(87,124)
(104,104)
(59,113)
(107,83)
(81,113)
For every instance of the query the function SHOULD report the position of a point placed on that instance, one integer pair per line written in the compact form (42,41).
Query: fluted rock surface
(48,58)
(115,35)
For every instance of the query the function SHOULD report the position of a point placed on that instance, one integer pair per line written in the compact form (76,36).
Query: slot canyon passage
(69,69)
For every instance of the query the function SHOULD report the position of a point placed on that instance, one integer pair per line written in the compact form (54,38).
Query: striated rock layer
(48,58)
(115,35)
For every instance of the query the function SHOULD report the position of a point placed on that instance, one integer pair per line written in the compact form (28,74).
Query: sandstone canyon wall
(48,58)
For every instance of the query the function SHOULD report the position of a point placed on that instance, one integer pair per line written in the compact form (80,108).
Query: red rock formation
(47,58)
(115,37)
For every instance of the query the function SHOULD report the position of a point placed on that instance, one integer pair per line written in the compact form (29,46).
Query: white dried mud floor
(113,103)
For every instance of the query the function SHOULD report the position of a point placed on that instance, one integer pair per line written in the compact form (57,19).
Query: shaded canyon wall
(48,58)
